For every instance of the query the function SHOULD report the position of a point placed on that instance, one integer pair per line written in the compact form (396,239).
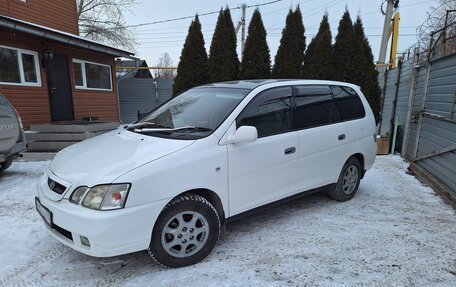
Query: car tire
(348,182)
(185,232)
(4,165)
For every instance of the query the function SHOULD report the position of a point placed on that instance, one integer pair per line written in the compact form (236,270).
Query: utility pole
(391,4)
(240,24)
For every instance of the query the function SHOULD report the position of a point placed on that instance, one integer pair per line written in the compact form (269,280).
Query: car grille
(55,186)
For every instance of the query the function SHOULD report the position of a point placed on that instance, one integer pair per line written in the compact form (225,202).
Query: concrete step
(42,136)
(59,135)
(48,146)
(73,127)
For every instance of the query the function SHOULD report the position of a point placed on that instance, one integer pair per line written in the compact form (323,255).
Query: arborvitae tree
(290,55)
(299,37)
(344,51)
(367,75)
(223,63)
(192,67)
(318,56)
(256,61)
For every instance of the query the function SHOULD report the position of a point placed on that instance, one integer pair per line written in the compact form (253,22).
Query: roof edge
(61,37)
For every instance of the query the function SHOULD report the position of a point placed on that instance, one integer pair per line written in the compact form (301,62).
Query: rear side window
(269,112)
(348,102)
(314,107)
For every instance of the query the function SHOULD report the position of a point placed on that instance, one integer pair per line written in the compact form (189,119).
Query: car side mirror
(244,134)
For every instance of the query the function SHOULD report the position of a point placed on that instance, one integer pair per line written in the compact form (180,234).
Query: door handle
(290,150)
(341,137)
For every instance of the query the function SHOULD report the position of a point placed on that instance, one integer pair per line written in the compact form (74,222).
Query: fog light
(85,241)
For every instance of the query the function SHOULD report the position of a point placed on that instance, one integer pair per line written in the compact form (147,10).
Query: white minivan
(210,155)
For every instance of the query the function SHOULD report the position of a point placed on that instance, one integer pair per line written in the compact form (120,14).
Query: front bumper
(110,233)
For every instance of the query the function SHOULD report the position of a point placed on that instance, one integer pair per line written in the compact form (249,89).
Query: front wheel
(185,232)
(348,182)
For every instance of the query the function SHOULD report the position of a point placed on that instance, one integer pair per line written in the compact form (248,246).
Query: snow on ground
(394,232)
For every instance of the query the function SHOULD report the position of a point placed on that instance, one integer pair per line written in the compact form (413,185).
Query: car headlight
(101,197)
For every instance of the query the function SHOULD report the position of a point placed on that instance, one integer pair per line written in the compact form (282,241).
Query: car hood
(104,158)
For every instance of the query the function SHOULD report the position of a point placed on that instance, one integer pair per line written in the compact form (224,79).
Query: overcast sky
(169,37)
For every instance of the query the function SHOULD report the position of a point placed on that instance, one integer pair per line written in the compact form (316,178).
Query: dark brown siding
(101,104)
(56,14)
(32,103)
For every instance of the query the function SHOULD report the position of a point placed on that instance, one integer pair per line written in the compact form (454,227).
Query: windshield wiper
(186,128)
(145,124)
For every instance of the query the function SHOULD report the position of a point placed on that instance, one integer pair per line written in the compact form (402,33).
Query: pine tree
(367,75)
(192,67)
(318,56)
(344,51)
(223,63)
(256,61)
(290,55)
(299,37)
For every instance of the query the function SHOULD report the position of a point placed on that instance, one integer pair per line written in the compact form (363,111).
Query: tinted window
(348,102)
(18,66)
(314,106)
(28,64)
(77,69)
(97,76)
(270,112)
(9,66)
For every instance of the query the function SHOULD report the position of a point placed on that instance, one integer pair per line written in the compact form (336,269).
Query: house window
(19,67)
(93,76)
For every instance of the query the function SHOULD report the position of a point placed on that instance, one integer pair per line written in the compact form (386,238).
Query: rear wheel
(4,165)
(185,232)
(348,182)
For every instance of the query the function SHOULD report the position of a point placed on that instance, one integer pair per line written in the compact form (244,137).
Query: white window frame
(84,75)
(21,68)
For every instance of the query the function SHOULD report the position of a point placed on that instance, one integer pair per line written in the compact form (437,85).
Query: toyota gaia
(168,182)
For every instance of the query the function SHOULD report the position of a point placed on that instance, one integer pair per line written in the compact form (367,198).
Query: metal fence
(419,99)
(138,95)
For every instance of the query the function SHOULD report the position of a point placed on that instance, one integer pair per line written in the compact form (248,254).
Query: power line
(203,14)
(272,35)
(310,12)
(400,6)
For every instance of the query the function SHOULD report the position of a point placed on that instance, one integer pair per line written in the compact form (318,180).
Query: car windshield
(191,115)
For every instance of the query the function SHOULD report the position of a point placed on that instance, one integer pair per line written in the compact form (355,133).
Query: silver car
(12,139)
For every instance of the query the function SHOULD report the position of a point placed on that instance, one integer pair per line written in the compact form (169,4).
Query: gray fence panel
(443,168)
(165,89)
(143,95)
(442,86)
(435,134)
(403,92)
(419,88)
(417,102)
(390,89)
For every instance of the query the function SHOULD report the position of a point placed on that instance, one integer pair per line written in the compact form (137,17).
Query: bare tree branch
(165,62)
(104,21)
(435,21)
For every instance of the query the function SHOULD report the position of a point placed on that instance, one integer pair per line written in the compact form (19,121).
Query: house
(47,71)
(125,69)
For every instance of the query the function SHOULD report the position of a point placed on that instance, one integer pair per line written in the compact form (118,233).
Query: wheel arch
(360,158)
(210,196)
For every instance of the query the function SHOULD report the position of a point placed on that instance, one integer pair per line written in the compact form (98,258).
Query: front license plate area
(45,213)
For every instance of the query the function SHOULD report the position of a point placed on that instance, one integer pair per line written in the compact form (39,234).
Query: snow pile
(394,232)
